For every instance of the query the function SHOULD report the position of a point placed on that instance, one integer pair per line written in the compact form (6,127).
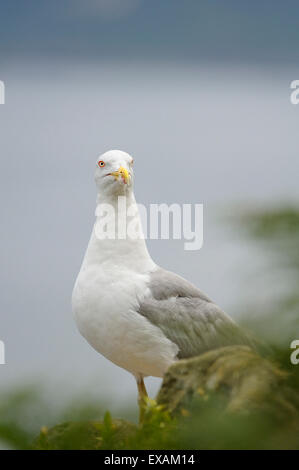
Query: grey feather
(187,316)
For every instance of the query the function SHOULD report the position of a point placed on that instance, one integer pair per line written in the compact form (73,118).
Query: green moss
(229,398)
(91,435)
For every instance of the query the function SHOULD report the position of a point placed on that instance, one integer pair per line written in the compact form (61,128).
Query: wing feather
(187,316)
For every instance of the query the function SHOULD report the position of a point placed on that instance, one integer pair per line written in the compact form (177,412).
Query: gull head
(114,173)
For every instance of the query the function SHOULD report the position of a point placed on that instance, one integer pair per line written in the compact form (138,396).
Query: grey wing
(187,316)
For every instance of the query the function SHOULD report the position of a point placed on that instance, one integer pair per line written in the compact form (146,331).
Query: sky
(197,92)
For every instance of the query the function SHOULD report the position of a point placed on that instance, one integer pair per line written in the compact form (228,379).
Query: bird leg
(142,395)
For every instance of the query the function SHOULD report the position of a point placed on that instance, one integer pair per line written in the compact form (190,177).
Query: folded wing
(188,317)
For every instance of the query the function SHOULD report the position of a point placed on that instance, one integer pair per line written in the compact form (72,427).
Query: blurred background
(199,93)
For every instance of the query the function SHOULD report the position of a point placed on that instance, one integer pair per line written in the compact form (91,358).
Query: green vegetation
(276,233)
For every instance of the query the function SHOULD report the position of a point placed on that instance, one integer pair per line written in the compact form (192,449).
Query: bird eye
(101,163)
(132,161)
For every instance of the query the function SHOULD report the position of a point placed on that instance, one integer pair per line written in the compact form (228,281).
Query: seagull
(138,315)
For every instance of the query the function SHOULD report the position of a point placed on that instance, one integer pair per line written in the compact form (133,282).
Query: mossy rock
(226,398)
(242,379)
(91,435)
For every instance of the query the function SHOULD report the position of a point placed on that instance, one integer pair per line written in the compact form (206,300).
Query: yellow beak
(123,173)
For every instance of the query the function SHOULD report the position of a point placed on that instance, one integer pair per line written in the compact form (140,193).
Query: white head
(114,173)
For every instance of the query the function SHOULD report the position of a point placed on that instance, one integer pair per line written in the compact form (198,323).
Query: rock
(237,374)
(228,398)
(91,435)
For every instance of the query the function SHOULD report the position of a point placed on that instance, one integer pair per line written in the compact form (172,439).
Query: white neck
(125,250)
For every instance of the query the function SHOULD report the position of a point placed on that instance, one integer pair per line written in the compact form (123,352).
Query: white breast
(112,281)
